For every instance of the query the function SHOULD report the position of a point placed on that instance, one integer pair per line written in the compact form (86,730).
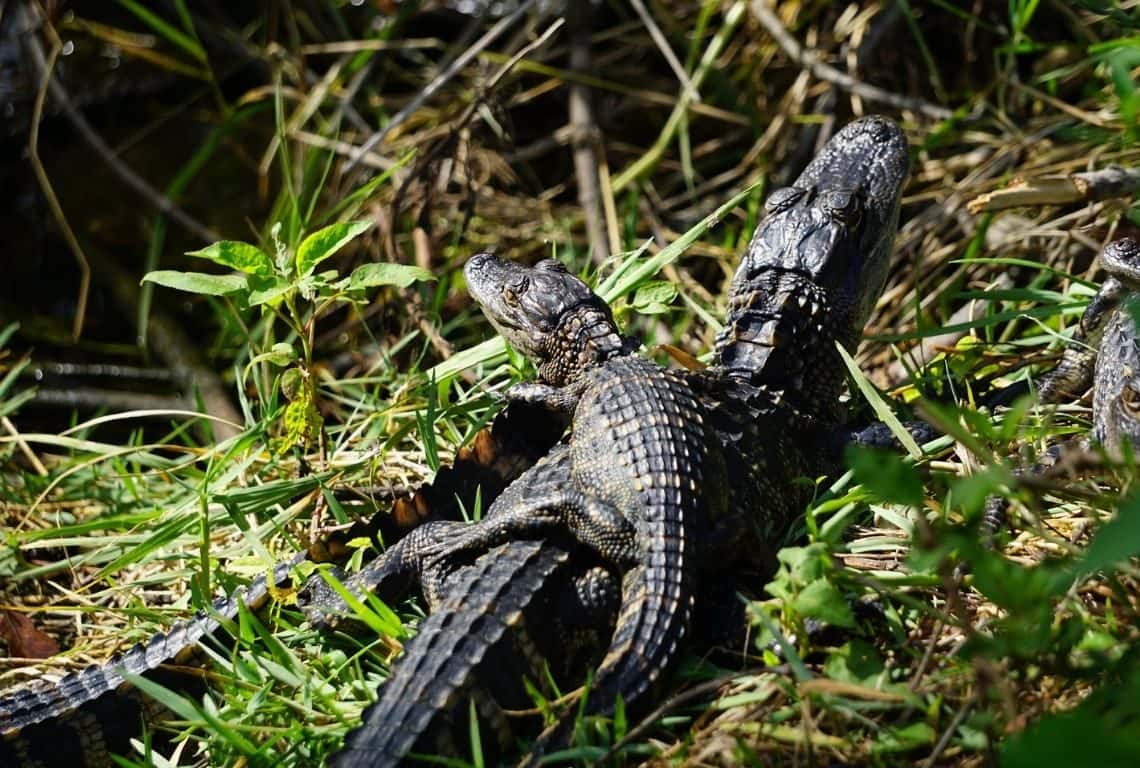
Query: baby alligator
(809,279)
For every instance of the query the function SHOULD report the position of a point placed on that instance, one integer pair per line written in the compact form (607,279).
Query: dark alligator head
(816,266)
(1116,384)
(546,313)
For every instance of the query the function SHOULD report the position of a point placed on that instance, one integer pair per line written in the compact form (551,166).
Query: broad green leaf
(1023,591)
(886,474)
(325,242)
(282,354)
(904,739)
(197,282)
(655,292)
(372,275)
(238,255)
(821,600)
(971,491)
(1117,540)
(856,662)
(654,297)
(1100,731)
(268,291)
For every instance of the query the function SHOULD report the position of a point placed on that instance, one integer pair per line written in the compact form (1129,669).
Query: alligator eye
(513,290)
(1130,399)
(551,265)
(783,199)
(843,206)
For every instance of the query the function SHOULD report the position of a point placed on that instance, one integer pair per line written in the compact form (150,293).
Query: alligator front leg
(551,513)
(391,576)
(557,399)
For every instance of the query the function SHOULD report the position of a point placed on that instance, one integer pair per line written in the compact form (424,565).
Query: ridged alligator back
(815,268)
(640,444)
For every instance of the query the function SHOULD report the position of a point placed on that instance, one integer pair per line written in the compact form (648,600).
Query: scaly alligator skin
(626,485)
(522,609)
(1116,378)
(453,648)
(754,387)
(89,715)
(1105,354)
(815,268)
(518,437)
(647,478)
(844,210)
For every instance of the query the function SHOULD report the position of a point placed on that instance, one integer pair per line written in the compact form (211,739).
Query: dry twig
(585,134)
(152,196)
(811,61)
(461,61)
(1060,190)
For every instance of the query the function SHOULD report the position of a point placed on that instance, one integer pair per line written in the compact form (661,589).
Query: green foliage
(237,255)
(1116,541)
(804,584)
(886,475)
(654,298)
(1100,731)
(265,280)
(198,282)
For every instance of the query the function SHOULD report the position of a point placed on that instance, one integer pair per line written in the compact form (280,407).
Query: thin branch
(585,134)
(152,196)
(25,449)
(666,50)
(45,66)
(461,61)
(1059,190)
(810,61)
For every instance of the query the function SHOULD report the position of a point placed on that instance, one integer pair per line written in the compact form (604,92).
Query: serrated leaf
(197,282)
(372,275)
(237,255)
(325,242)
